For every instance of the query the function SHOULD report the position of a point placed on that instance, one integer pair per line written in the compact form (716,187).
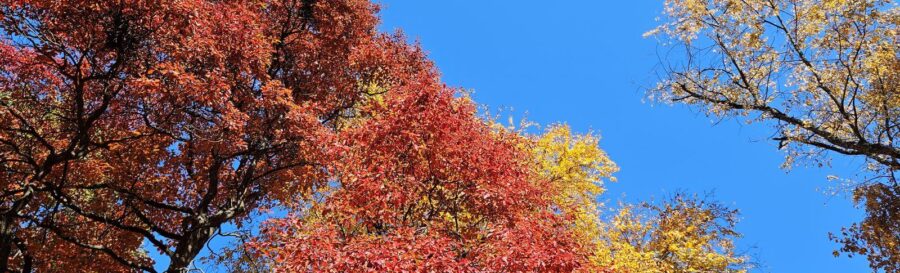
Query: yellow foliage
(824,72)
(575,167)
(684,234)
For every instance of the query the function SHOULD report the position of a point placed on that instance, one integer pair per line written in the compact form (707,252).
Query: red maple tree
(426,186)
(160,121)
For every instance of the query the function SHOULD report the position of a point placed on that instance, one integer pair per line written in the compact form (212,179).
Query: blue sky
(586,64)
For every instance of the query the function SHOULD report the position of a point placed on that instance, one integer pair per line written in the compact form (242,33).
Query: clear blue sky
(585,63)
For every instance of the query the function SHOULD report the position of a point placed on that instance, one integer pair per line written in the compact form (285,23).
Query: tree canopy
(824,73)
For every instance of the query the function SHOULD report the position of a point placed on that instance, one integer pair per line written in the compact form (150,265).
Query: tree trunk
(8,230)
(189,248)
(6,241)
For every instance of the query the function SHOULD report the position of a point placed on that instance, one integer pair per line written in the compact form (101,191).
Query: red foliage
(427,186)
(159,121)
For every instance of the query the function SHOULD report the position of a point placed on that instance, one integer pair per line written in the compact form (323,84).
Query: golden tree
(824,73)
(683,234)
(574,167)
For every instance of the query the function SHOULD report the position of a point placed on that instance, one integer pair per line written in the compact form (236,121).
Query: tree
(427,186)
(575,167)
(824,73)
(160,121)
(682,234)
(871,237)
